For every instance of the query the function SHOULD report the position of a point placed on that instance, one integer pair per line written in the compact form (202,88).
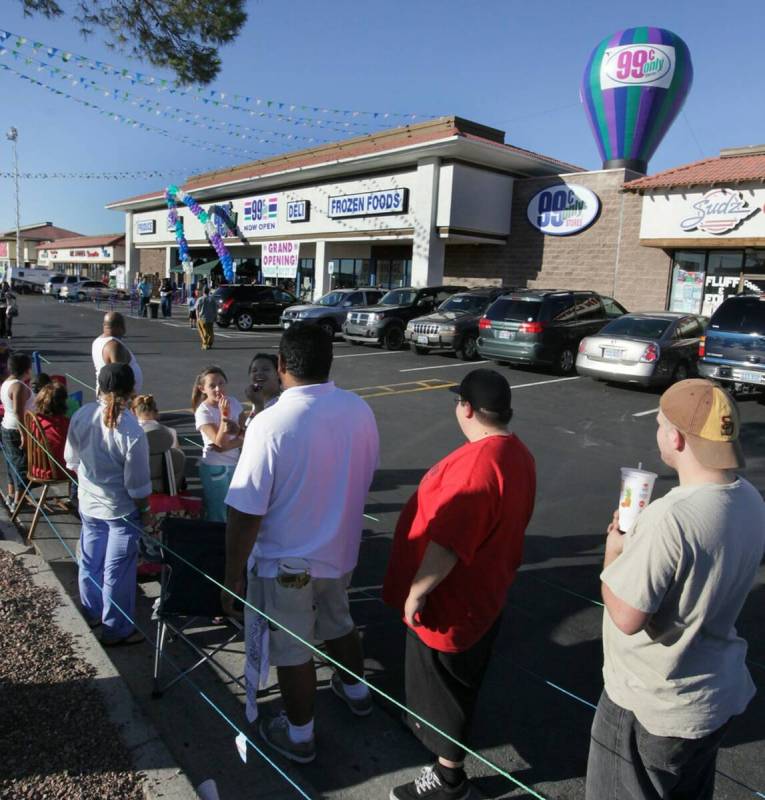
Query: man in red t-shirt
(457,547)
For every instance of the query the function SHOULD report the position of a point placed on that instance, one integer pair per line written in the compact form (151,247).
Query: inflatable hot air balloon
(633,87)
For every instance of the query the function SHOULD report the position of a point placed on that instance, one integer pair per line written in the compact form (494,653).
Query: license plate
(748,377)
(422,340)
(613,353)
(506,335)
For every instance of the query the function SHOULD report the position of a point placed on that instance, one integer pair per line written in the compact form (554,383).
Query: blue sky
(514,65)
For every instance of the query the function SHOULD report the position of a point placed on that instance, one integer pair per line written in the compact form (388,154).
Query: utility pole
(13,135)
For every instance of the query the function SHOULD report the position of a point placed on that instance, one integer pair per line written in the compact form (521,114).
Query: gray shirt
(689,560)
(207,308)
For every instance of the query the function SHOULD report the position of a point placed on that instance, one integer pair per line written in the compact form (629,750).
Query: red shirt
(55,430)
(477,503)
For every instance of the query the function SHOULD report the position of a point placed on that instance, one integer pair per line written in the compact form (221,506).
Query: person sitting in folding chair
(108,448)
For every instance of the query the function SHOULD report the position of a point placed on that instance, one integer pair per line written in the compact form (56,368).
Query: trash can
(154,309)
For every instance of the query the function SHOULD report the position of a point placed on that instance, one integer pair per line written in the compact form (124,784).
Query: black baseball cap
(485,390)
(116,378)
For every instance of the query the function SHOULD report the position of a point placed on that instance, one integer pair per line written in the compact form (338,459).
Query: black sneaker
(428,784)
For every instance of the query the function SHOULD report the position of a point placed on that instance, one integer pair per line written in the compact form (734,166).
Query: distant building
(93,257)
(31,237)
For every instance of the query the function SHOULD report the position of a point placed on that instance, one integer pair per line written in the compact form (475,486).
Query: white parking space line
(358,355)
(445,366)
(542,383)
(646,413)
(177,325)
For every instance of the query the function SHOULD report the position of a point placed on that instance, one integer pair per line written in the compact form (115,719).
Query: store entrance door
(391,266)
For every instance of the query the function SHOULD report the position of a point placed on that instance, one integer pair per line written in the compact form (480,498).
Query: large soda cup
(635,495)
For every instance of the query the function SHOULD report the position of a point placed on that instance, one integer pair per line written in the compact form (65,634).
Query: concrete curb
(163,777)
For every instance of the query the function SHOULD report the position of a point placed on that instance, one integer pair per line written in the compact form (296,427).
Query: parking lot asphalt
(536,707)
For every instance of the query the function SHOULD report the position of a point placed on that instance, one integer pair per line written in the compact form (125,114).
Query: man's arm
(436,564)
(115,353)
(627,619)
(241,533)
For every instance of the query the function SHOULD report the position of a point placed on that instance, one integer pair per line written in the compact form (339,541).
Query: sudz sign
(145,226)
(719,211)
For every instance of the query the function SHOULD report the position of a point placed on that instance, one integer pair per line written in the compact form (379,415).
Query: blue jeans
(17,458)
(144,304)
(165,304)
(215,482)
(627,762)
(109,556)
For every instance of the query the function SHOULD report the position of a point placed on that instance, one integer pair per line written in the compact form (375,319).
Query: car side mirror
(347,304)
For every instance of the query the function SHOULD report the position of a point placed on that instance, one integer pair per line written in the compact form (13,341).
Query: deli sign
(719,211)
(563,209)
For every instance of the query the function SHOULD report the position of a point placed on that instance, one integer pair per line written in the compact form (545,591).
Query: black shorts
(443,689)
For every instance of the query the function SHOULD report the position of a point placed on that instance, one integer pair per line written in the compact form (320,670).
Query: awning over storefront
(201,270)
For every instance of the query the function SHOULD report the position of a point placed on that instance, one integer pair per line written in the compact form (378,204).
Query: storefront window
(393,272)
(687,281)
(754,271)
(350,272)
(723,278)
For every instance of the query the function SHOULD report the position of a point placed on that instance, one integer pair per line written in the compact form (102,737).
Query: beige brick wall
(151,260)
(598,258)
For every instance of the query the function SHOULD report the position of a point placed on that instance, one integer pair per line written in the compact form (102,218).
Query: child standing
(216,417)
(192,309)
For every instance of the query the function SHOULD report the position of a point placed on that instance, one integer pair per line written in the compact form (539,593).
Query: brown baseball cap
(708,418)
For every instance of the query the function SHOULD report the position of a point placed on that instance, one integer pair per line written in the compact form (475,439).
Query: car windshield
(331,299)
(509,310)
(399,297)
(473,303)
(740,316)
(637,327)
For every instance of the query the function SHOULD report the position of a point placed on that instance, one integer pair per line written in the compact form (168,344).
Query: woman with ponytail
(107,448)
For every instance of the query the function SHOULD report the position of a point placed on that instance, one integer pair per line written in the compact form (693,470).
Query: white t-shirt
(689,560)
(306,468)
(210,415)
(97,352)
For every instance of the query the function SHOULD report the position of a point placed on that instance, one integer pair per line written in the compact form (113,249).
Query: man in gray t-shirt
(207,310)
(673,585)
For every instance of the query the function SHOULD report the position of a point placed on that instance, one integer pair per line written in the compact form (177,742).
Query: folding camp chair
(41,469)
(186,596)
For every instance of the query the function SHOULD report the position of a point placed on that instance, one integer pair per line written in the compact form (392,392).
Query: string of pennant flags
(135,123)
(217,98)
(105,176)
(158,109)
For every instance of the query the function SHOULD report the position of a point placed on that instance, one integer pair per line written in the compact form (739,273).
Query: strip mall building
(448,201)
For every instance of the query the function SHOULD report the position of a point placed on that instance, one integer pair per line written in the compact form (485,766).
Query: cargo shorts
(319,611)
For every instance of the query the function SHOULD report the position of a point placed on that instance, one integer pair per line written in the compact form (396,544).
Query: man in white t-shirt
(296,506)
(108,348)
(673,585)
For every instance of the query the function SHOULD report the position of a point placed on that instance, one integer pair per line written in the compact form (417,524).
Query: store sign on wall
(3,249)
(145,226)
(298,210)
(368,204)
(280,259)
(638,65)
(719,211)
(563,209)
(260,214)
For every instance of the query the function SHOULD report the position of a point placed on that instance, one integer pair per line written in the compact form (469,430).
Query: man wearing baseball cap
(457,547)
(673,585)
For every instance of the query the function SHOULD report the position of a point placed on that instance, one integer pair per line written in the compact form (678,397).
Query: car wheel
(393,338)
(244,321)
(80,296)
(680,373)
(328,328)
(352,343)
(469,349)
(421,351)
(566,361)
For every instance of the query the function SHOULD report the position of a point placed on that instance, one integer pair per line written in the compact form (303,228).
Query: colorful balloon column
(633,87)
(174,196)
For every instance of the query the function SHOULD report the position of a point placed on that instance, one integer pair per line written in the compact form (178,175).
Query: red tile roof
(380,142)
(43,233)
(104,240)
(723,169)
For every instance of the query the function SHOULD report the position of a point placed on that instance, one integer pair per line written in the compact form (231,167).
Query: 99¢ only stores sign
(280,259)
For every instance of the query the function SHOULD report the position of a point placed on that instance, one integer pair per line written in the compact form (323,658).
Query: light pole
(12,135)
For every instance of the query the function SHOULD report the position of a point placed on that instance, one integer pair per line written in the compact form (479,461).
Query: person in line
(17,399)
(217,417)
(207,311)
(107,448)
(296,507)
(8,301)
(192,302)
(456,550)
(166,297)
(264,388)
(673,585)
(144,294)
(161,437)
(108,348)
(51,411)
(3,314)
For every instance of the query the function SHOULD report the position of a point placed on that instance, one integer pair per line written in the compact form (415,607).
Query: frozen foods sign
(368,204)
(719,211)
(280,259)
(563,209)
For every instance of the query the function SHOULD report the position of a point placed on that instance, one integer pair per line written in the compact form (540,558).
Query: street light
(12,135)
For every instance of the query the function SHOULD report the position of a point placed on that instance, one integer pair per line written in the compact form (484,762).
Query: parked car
(89,290)
(246,306)
(613,309)
(57,282)
(454,324)
(540,327)
(385,322)
(329,311)
(649,348)
(733,350)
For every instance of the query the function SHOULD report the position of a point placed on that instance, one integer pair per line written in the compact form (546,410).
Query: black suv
(733,350)
(539,327)
(385,322)
(246,306)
